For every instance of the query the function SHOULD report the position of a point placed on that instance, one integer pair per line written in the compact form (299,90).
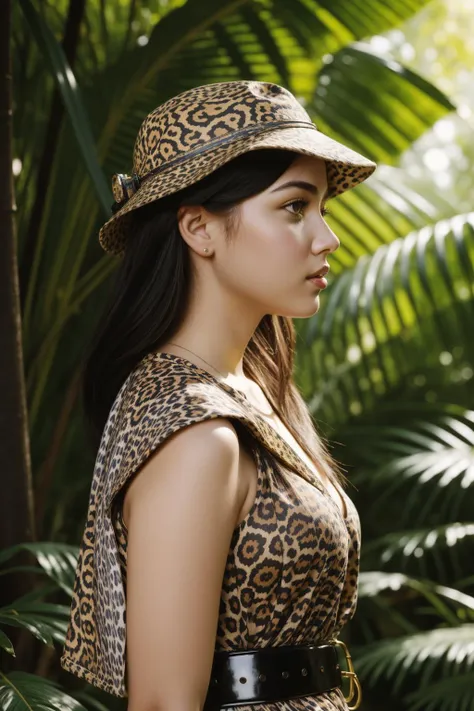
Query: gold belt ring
(355,689)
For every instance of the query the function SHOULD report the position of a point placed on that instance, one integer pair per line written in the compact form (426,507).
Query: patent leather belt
(276,674)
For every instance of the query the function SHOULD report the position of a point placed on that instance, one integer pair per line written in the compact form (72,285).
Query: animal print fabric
(194,133)
(292,568)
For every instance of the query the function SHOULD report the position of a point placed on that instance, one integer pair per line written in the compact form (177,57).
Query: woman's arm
(180,511)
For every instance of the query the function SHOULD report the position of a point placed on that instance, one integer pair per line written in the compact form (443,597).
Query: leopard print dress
(292,568)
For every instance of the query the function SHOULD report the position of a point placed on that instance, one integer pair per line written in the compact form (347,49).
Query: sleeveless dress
(292,569)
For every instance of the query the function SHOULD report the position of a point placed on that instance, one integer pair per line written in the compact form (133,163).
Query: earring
(206,249)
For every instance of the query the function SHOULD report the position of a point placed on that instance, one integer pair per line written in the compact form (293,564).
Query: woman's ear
(194,224)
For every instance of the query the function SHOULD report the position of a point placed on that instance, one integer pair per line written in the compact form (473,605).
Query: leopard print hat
(201,129)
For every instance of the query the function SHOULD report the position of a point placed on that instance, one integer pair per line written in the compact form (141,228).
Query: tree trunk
(16,491)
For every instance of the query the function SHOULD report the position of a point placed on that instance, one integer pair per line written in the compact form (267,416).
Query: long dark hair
(149,298)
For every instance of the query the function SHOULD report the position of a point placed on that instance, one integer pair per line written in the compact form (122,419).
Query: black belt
(275,674)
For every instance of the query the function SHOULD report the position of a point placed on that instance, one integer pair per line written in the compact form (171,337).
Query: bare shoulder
(203,455)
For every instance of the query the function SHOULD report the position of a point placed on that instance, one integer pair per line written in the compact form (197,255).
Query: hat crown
(207,114)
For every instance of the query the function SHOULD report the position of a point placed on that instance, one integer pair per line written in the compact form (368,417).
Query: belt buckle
(355,690)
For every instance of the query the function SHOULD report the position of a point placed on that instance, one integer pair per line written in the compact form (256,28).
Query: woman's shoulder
(160,397)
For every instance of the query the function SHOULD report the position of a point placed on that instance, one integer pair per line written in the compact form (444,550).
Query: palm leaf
(354,347)
(350,82)
(402,546)
(69,89)
(379,212)
(432,459)
(408,541)
(372,584)
(46,621)
(451,694)
(57,560)
(26,692)
(6,644)
(426,655)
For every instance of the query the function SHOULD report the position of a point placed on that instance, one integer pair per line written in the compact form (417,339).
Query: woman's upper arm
(180,511)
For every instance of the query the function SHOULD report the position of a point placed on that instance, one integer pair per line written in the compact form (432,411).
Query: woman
(219,541)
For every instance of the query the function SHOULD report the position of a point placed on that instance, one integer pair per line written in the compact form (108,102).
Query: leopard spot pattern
(192,134)
(292,568)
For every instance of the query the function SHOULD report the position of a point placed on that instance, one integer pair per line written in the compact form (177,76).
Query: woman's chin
(304,310)
(313,311)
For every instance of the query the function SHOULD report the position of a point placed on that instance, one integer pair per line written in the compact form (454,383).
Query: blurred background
(386,366)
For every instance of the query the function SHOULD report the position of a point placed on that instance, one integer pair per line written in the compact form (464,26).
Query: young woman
(220,555)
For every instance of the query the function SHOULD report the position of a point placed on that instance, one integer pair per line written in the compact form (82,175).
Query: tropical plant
(386,362)
(63,274)
(387,367)
(45,620)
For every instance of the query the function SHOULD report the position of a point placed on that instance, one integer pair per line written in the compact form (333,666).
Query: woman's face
(280,238)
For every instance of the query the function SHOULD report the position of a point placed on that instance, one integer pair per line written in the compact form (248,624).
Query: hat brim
(346,169)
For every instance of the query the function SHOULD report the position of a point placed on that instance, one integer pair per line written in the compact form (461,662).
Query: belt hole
(262,677)
(243,680)
(285,674)
(304,671)
(321,669)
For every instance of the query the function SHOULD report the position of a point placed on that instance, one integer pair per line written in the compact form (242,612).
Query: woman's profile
(220,555)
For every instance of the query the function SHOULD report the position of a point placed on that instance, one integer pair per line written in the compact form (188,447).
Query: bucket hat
(192,134)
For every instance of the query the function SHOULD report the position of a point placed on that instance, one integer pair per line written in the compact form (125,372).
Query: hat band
(131,183)
(228,139)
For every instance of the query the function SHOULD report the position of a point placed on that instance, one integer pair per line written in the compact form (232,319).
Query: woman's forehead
(307,169)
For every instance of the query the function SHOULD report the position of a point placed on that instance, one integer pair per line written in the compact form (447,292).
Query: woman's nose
(324,239)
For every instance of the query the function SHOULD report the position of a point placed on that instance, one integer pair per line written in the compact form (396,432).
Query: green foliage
(47,621)
(71,97)
(56,560)
(449,694)
(68,273)
(386,366)
(400,547)
(6,644)
(428,655)
(20,691)
(369,337)
(44,620)
(399,115)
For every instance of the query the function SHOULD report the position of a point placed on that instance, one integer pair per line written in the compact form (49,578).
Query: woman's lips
(320,282)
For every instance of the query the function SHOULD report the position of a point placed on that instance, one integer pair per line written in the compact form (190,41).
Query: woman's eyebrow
(313,189)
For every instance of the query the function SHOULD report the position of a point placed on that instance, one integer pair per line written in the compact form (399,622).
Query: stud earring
(206,249)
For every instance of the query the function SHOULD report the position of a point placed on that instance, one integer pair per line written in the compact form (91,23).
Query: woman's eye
(301,204)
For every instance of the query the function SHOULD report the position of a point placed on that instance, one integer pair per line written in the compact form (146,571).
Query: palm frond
(427,655)
(349,82)
(356,345)
(20,691)
(6,644)
(454,693)
(399,546)
(374,583)
(431,458)
(46,621)
(69,89)
(57,560)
